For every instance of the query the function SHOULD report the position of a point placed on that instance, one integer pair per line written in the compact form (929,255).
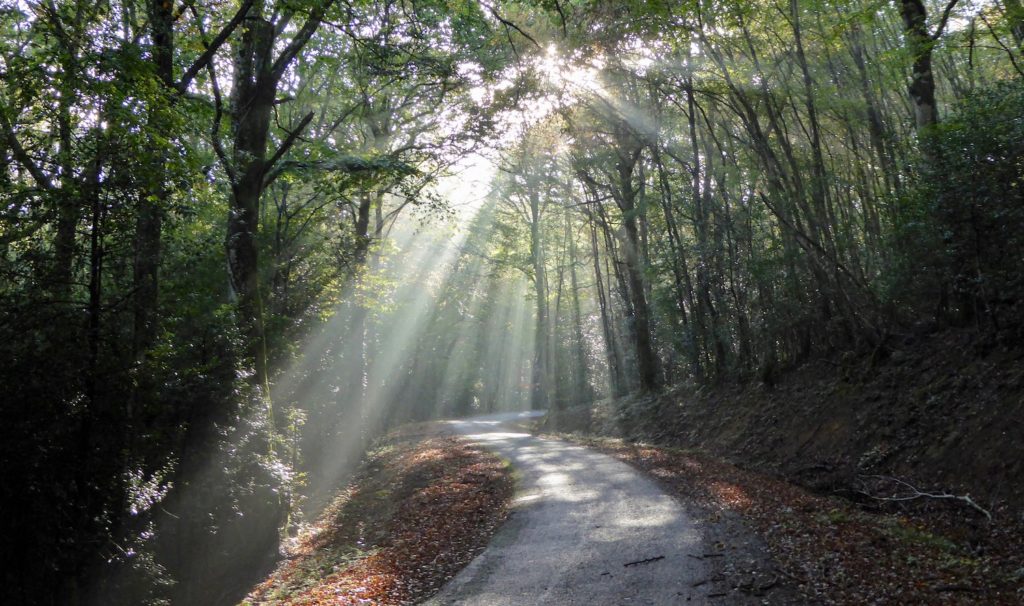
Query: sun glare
(566,75)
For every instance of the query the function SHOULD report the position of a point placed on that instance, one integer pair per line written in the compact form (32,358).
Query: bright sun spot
(467,186)
(568,75)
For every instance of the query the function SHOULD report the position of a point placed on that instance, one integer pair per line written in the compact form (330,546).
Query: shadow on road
(584,529)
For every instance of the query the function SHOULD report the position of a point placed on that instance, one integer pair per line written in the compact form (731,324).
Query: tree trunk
(919,43)
(581,391)
(541,360)
(149,219)
(680,271)
(824,223)
(256,77)
(625,194)
(251,104)
(617,384)
(68,207)
(1015,16)
(876,128)
(699,185)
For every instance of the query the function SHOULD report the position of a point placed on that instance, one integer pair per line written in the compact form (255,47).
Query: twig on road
(706,555)
(646,561)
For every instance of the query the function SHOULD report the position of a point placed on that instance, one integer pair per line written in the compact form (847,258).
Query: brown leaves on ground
(419,510)
(835,553)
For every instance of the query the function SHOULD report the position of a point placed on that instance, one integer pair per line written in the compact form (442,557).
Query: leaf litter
(419,510)
(833,552)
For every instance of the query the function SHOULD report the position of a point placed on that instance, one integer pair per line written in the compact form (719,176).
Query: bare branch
(914,493)
(509,24)
(316,16)
(808,243)
(1009,53)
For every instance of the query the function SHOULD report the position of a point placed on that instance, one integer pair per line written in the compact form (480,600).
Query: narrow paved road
(584,529)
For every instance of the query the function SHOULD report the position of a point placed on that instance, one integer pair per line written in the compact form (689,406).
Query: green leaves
(363,167)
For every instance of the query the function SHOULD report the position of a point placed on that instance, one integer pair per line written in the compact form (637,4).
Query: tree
(920,42)
(257,72)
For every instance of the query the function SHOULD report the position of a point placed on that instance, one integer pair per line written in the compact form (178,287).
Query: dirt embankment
(943,413)
(421,507)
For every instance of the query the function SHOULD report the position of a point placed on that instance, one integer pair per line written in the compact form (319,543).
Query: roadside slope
(422,505)
(944,412)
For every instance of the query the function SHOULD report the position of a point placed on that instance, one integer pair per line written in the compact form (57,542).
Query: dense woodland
(235,244)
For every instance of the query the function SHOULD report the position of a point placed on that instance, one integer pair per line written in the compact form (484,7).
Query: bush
(964,219)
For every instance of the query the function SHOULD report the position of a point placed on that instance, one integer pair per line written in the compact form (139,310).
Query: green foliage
(965,218)
(142,464)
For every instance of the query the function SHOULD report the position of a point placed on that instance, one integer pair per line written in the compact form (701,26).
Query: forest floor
(831,550)
(423,504)
(856,471)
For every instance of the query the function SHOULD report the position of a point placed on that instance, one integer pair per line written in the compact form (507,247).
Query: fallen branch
(792,577)
(647,561)
(915,493)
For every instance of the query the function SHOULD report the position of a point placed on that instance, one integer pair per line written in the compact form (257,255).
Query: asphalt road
(584,529)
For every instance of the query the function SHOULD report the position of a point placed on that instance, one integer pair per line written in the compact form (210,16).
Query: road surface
(584,528)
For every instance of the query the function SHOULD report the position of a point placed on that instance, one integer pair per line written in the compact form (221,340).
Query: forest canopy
(241,239)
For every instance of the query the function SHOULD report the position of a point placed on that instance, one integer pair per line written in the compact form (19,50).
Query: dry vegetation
(834,552)
(421,508)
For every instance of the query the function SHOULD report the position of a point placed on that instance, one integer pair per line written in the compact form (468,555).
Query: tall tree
(261,59)
(920,41)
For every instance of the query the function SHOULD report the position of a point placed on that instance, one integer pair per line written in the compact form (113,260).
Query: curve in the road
(584,529)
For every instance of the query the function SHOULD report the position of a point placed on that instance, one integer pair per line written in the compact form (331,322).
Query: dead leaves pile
(417,513)
(831,551)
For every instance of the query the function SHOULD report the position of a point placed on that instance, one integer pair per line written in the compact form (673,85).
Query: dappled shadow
(585,529)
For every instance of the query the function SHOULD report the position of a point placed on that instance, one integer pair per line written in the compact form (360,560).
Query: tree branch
(1009,53)
(945,18)
(22,156)
(509,24)
(212,47)
(289,141)
(809,244)
(218,105)
(561,14)
(316,16)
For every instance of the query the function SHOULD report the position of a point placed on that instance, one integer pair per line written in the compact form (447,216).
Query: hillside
(942,412)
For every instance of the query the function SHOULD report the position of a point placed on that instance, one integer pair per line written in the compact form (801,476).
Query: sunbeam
(249,247)
(430,327)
